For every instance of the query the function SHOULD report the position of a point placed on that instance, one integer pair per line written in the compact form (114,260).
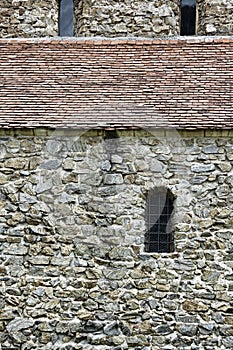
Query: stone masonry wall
(127,18)
(153,18)
(28,18)
(73,271)
(215,17)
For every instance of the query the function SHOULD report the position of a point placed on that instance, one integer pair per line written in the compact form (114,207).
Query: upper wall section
(28,18)
(127,18)
(215,17)
(111,18)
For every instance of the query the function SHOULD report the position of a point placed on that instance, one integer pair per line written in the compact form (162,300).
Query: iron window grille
(159,237)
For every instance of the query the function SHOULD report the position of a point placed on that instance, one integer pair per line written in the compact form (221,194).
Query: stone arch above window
(188,17)
(159,208)
(66,17)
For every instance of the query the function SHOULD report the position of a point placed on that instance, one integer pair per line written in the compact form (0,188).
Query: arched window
(66,17)
(159,207)
(188,14)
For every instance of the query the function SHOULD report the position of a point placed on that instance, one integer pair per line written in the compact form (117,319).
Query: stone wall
(154,18)
(127,18)
(28,18)
(215,17)
(73,271)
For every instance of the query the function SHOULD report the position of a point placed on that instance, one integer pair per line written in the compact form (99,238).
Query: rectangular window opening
(188,17)
(66,17)
(159,236)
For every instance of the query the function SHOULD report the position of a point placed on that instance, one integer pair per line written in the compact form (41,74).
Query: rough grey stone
(187,330)
(228,342)
(202,168)
(51,164)
(53,146)
(211,149)
(19,324)
(43,186)
(113,179)
(23,197)
(206,328)
(112,329)
(115,274)
(106,165)
(156,166)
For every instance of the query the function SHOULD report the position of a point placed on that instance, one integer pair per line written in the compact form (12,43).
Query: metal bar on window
(159,237)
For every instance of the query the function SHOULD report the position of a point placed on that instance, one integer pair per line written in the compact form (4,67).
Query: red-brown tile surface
(184,83)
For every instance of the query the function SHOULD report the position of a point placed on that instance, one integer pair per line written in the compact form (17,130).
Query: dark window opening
(110,134)
(159,237)
(111,141)
(188,17)
(66,18)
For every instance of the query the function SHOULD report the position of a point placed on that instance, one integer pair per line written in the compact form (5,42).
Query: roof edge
(44,131)
(120,40)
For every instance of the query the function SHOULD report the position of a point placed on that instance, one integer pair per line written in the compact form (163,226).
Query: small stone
(118,340)
(106,165)
(51,164)
(112,329)
(202,168)
(53,146)
(19,324)
(120,253)
(23,197)
(190,305)
(224,167)
(188,330)
(114,274)
(113,179)
(31,301)
(163,330)
(228,342)
(62,327)
(222,191)
(3,179)
(39,260)
(116,159)
(43,186)
(156,166)
(90,305)
(68,164)
(210,28)
(206,328)
(92,326)
(16,219)
(210,149)
(17,249)
(15,163)
(164,11)
(60,261)
(229,180)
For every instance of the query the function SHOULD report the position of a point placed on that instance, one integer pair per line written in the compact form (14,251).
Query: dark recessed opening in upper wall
(66,17)
(188,15)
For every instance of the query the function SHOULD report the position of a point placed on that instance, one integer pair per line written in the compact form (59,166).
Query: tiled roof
(183,83)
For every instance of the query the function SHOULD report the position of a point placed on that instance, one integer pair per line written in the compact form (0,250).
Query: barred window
(159,208)
(66,17)
(188,14)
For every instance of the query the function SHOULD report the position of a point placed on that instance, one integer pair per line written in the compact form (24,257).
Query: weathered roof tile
(183,83)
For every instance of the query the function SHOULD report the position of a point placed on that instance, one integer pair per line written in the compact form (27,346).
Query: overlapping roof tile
(183,83)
